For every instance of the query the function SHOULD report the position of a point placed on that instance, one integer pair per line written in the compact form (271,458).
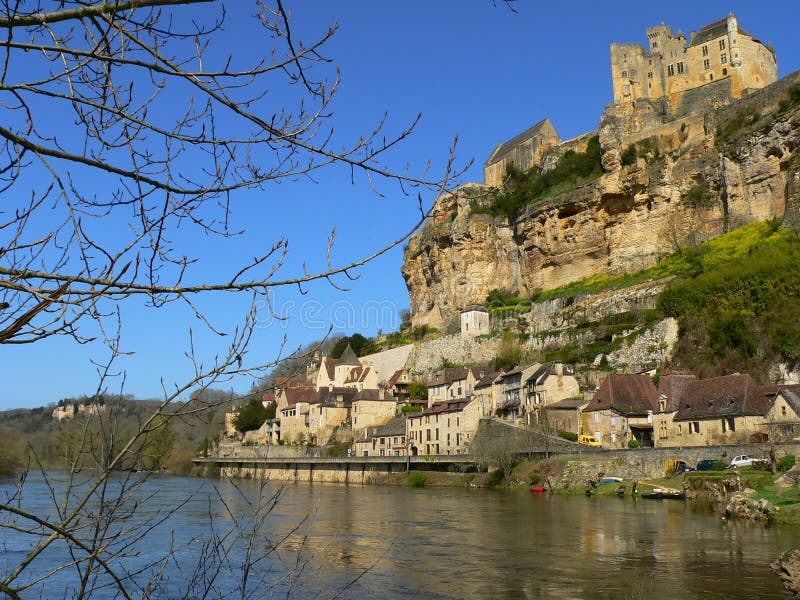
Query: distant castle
(720,52)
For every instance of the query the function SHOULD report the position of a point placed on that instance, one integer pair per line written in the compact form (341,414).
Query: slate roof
(712,31)
(487,380)
(542,373)
(506,147)
(729,396)
(568,404)
(792,397)
(630,395)
(448,376)
(348,358)
(672,386)
(329,397)
(329,364)
(371,394)
(477,307)
(358,375)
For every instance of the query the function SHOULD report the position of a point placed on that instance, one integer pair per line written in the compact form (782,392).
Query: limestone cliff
(704,172)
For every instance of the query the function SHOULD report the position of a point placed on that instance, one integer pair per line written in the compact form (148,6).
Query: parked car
(743,460)
(588,440)
(707,464)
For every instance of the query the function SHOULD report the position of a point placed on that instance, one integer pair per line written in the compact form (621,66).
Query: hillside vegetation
(736,297)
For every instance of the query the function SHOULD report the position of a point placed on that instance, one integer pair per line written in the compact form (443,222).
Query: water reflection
(380,542)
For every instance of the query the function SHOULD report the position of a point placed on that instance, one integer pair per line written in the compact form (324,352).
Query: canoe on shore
(664,495)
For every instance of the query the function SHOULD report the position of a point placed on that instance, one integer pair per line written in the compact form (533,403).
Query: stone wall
(428,356)
(387,362)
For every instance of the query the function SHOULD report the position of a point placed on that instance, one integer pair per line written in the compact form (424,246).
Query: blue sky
(472,69)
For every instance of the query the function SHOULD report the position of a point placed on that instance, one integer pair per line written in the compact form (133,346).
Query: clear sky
(472,69)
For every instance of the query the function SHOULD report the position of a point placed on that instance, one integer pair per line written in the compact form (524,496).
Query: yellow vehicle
(588,440)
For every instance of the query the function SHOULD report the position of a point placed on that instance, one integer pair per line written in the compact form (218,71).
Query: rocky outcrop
(705,174)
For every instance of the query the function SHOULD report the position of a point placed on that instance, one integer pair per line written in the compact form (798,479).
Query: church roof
(542,127)
(348,358)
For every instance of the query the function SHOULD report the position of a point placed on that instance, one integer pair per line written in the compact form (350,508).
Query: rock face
(705,175)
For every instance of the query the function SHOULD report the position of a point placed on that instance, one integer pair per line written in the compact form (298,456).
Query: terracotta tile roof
(630,395)
(729,396)
(395,378)
(299,394)
(269,397)
(672,386)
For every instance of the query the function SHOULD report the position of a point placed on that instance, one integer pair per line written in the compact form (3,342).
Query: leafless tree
(124,133)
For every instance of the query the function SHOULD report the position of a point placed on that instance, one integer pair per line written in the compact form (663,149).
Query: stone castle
(703,117)
(672,65)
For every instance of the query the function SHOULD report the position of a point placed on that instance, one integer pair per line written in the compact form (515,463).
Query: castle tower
(733,40)
(658,37)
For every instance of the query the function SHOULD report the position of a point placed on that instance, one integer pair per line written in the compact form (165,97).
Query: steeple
(348,358)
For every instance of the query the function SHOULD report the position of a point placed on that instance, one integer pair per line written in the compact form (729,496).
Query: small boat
(610,479)
(659,494)
(537,489)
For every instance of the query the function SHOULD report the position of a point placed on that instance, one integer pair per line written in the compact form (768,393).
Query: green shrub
(568,435)
(628,156)
(633,443)
(786,463)
(411,408)
(720,465)
(416,479)
(534,479)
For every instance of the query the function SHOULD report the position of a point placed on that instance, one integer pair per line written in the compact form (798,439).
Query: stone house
(444,428)
(550,383)
(719,411)
(621,410)
(371,408)
(397,386)
(671,388)
(511,393)
(782,421)
(474,321)
(720,51)
(383,440)
(293,412)
(484,392)
(523,151)
(329,411)
(564,415)
(453,384)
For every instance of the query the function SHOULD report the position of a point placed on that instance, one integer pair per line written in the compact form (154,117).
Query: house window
(680,67)
(437,433)
(597,417)
(723,58)
(613,421)
(457,420)
(613,437)
(662,429)
(680,429)
(783,411)
(722,44)
(705,50)
(428,435)
(706,64)
(448,439)
(694,426)
(670,70)
(724,72)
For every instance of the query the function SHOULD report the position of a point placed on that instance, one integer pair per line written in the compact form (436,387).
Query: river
(394,542)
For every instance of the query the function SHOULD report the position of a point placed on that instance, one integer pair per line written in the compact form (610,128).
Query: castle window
(706,64)
(655,44)
(722,44)
(723,58)
(624,73)
(705,50)
(680,67)
(633,73)
(670,70)
(626,90)
(724,72)
(650,75)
